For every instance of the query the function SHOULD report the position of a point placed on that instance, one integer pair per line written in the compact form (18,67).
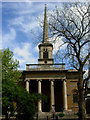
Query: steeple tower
(45,27)
(45,48)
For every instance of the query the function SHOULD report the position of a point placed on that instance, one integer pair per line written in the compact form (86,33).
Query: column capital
(39,80)
(27,79)
(51,80)
(64,79)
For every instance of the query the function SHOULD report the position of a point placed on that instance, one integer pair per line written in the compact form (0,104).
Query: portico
(52,94)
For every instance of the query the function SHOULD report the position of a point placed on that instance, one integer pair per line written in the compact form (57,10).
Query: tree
(10,77)
(15,99)
(25,105)
(71,22)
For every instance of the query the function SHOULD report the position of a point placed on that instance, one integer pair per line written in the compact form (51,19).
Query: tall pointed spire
(45,27)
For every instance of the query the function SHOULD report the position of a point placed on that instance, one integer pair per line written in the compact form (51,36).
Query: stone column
(40,102)
(52,96)
(27,85)
(64,95)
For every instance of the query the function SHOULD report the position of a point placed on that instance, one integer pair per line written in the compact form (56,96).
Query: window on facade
(75,98)
(45,54)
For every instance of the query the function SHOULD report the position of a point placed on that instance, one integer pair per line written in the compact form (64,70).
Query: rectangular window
(75,98)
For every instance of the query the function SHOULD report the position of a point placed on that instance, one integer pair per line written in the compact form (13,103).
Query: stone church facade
(52,80)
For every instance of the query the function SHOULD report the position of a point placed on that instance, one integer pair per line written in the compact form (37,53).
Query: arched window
(45,53)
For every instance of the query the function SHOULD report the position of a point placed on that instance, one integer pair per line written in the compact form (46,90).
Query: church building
(52,80)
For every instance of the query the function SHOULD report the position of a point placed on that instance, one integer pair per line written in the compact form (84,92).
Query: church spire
(45,48)
(45,27)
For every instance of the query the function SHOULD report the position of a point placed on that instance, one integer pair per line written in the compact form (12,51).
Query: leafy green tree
(26,107)
(10,77)
(15,99)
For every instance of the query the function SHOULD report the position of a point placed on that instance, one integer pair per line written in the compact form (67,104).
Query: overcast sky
(18,20)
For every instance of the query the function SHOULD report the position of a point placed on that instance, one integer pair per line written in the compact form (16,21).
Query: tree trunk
(81,96)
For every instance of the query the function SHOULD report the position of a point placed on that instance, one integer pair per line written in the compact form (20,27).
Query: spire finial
(45,27)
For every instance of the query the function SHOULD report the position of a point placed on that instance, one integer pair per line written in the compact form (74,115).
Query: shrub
(61,115)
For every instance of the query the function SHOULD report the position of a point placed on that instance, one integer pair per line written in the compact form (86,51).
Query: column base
(67,111)
(39,112)
(52,111)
